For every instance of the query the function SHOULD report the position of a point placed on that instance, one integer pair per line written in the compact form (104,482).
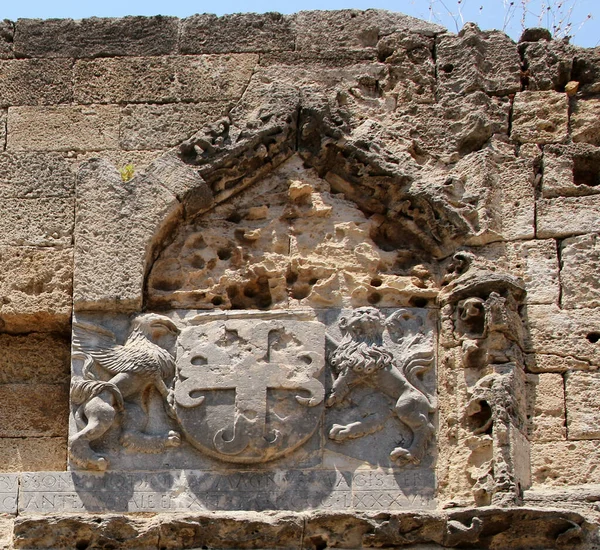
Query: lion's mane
(359,356)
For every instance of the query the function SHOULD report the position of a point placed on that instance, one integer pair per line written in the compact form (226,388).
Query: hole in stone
(448,68)
(313,281)
(586,171)
(291,277)
(593,337)
(300,291)
(82,544)
(196,241)
(481,421)
(197,261)
(417,301)
(319,543)
(166,285)
(224,253)
(217,301)
(374,298)
(198,360)
(235,217)
(376,282)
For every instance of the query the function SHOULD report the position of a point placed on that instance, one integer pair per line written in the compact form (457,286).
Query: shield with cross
(250,389)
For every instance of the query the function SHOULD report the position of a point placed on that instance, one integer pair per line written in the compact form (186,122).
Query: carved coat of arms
(249,390)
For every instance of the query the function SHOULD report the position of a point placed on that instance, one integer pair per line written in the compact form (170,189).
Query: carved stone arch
(406,213)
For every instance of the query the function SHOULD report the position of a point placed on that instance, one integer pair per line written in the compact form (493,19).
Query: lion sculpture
(361,358)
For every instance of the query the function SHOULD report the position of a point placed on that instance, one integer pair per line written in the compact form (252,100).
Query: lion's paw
(341,432)
(404,455)
(173,439)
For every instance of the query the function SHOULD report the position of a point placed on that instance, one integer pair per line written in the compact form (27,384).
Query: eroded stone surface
(581,394)
(580,258)
(475,60)
(289,242)
(546,395)
(163,79)
(161,126)
(540,117)
(570,170)
(565,462)
(564,217)
(565,333)
(33,410)
(37,289)
(95,37)
(63,128)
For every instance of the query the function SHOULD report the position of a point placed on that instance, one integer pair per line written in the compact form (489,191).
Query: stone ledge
(474,527)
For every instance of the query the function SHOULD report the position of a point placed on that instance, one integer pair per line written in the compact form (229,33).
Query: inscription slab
(9,489)
(196,490)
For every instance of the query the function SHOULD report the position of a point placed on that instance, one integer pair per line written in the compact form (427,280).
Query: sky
(584,15)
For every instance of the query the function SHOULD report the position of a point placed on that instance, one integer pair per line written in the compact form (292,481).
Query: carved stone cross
(251,376)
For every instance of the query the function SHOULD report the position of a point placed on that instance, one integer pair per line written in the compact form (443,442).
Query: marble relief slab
(310,402)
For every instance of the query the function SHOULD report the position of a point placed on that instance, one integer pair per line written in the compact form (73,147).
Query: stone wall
(455,176)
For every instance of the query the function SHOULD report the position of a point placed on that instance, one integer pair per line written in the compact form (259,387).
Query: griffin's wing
(101,345)
(92,339)
(127,358)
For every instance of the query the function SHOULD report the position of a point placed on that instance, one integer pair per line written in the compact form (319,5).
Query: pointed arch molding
(121,227)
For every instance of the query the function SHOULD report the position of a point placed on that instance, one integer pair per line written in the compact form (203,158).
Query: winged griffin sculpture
(116,383)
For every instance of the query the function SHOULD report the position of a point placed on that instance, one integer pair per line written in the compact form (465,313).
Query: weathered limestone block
(63,128)
(505,191)
(564,217)
(542,362)
(353,29)
(22,225)
(140,160)
(478,60)
(162,126)
(277,530)
(540,117)
(96,37)
(570,170)
(36,288)
(7,31)
(580,258)
(34,358)
(546,407)
(108,271)
(411,67)
(565,462)
(450,129)
(582,400)
(125,80)
(584,121)
(536,261)
(36,82)
(548,64)
(586,69)
(33,454)
(563,332)
(56,532)
(239,32)
(163,79)
(34,410)
(35,175)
